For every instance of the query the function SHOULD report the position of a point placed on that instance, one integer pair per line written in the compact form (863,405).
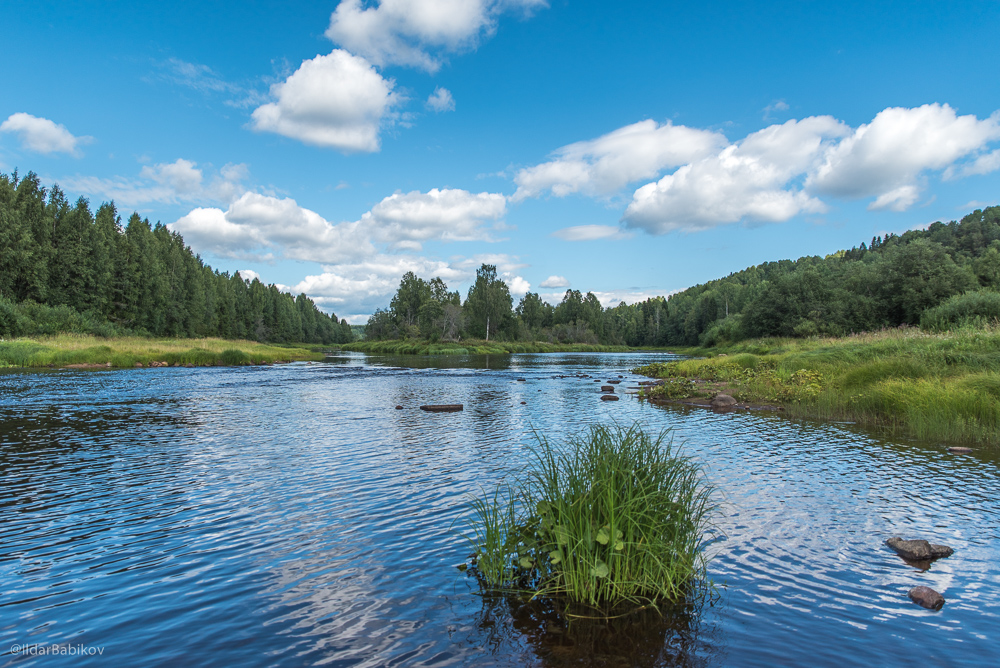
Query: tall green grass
(614,516)
(931,386)
(122,352)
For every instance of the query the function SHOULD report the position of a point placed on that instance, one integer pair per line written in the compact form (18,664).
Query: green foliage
(971,309)
(613,516)
(233,357)
(488,306)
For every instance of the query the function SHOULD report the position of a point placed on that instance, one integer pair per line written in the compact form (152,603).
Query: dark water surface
(289,516)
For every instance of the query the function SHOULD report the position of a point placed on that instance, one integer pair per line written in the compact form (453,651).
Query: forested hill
(63,268)
(946,275)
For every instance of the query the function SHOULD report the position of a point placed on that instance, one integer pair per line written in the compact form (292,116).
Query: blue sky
(629,149)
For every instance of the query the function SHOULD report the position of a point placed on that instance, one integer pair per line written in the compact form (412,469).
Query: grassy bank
(943,387)
(475,347)
(614,517)
(122,352)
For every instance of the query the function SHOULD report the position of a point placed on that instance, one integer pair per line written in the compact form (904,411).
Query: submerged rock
(722,401)
(927,598)
(399,408)
(522,380)
(959,450)
(918,550)
(442,408)
(609,397)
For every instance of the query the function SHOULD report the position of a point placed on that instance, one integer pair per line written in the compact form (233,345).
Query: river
(290,515)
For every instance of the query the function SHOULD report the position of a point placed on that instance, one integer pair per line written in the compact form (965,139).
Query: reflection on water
(289,515)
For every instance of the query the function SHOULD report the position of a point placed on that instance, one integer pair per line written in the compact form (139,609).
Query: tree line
(65,268)
(945,276)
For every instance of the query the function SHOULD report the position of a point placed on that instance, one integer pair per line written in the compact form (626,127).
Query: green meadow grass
(613,517)
(66,349)
(931,386)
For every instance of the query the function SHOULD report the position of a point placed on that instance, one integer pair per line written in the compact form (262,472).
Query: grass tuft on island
(85,351)
(614,518)
(474,347)
(931,386)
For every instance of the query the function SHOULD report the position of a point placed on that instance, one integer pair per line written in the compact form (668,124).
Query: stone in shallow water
(723,400)
(441,408)
(607,388)
(959,450)
(918,550)
(927,598)
(609,397)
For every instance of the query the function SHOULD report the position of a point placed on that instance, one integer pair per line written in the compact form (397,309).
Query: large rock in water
(918,550)
(927,598)
(607,388)
(722,401)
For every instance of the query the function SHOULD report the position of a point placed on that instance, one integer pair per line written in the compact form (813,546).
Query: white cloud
(335,101)
(745,180)
(181,181)
(406,220)
(780,171)
(554,282)
(602,166)
(590,233)
(518,286)
(777,105)
(441,100)
(897,146)
(257,226)
(406,32)
(249,275)
(42,135)
(984,164)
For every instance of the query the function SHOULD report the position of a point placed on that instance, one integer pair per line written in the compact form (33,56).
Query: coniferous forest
(945,276)
(64,268)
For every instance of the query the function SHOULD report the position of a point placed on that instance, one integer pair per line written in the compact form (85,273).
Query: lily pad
(600,570)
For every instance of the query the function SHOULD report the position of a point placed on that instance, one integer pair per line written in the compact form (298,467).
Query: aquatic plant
(613,516)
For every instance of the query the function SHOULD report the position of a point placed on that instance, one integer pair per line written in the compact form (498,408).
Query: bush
(969,309)
(9,327)
(233,357)
(613,517)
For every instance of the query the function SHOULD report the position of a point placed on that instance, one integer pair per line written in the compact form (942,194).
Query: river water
(290,515)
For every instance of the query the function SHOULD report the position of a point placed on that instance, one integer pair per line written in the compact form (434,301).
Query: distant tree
(488,306)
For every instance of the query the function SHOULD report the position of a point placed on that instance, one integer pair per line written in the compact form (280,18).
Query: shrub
(969,309)
(613,517)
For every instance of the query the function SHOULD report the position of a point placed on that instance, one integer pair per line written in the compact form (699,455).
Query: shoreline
(87,352)
(932,387)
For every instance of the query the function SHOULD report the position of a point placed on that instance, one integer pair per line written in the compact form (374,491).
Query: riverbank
(941,387)
(474,347)
(91,352)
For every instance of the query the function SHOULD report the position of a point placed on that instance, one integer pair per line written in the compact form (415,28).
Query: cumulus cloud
(744,180)
(781,171)
(42,135)
(257,226)
(554,282)
(334,101)
(441,100)
(407,220)
(590,233)
(262,227)
(899,144)
(414,32)
(603,166)
(518,286)
(248,274)
(181,181)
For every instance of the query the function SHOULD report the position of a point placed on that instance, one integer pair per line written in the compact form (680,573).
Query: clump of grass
(233,357)
(615,516)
